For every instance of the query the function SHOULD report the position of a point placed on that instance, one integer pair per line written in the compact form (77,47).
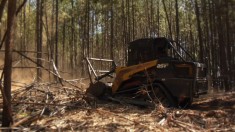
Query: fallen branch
(57,73)
(22,91)
(162,121)
(186,126)
(46,69)
(25,88)
(26,120)
(102,112)
(33,103)
(232,129)
(47,97)
(50,104)
(8,129)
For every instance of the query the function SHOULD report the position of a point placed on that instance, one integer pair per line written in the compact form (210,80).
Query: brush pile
(52,106)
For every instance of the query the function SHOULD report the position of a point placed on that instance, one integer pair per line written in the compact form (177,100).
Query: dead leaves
(68,111)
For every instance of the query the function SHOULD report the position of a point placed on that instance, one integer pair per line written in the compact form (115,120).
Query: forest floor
(47,107)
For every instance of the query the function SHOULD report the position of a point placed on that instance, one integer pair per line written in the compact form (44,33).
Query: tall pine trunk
(201,52)
(7,110)
(39,37)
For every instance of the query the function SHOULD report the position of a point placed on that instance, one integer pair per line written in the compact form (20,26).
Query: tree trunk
(56,37)
(63,43)
(222,46)
(158,18)
(128,20)
(177,22)
(133,20)
(56,34)
(167,18)
(201,52)
(39,37)
(7,110)
(88,27)
(111,31)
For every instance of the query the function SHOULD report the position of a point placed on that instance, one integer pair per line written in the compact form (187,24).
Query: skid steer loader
(156,71)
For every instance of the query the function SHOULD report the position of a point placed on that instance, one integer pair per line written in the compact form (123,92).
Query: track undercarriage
(145,95)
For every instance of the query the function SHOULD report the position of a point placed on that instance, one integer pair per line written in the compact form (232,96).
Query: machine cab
(175,70)
(147,49)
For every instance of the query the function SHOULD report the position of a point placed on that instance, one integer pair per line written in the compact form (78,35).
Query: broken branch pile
(51,106)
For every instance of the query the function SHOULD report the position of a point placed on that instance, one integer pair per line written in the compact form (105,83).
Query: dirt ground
(212,113)
(53,107)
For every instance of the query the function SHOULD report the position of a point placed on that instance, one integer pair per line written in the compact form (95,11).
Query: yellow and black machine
(153,75)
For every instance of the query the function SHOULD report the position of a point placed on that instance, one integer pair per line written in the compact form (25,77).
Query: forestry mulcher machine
(152,75)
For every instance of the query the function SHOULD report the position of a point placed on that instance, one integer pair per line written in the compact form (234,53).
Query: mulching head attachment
(96,89)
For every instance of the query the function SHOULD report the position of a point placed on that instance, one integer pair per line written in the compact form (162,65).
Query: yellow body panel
(125,73)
